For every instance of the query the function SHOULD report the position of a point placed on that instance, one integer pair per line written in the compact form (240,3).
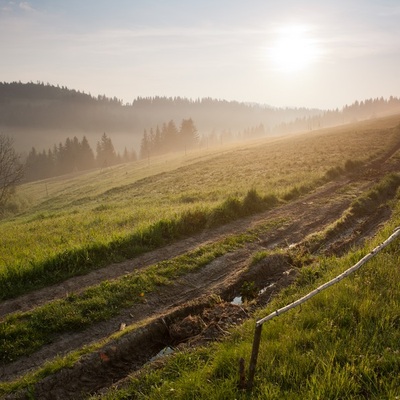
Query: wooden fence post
(254,355)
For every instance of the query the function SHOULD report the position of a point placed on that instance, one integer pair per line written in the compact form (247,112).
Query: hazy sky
(324,53)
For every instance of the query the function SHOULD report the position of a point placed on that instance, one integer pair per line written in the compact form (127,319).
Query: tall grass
(371,201)
(17,280)
(23,333)
(77,223)
(380,193)
(84,222)
(341,344)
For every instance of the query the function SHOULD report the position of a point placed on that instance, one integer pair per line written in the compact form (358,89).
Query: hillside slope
(284,235)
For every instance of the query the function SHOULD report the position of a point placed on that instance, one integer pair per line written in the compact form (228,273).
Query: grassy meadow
(342,344)
(69,225)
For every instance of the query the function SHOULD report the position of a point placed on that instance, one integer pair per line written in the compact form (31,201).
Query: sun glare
(293,50)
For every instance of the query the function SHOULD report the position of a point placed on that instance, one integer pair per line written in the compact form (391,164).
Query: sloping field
(101,271)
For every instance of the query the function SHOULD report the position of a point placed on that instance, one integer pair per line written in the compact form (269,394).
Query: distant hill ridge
(39,105)
(39,91)
(28,108)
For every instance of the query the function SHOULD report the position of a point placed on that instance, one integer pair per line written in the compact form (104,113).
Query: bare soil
(188,311)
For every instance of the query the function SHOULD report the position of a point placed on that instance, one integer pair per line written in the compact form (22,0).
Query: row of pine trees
(76,155)
(169,138)
(73,155)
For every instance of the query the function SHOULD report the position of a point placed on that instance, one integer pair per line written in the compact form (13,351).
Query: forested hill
(39,115)
(44,106)
(35,105)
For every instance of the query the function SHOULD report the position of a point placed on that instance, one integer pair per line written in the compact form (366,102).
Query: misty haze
(199,200)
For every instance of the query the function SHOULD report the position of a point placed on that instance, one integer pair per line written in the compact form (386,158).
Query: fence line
(259,323)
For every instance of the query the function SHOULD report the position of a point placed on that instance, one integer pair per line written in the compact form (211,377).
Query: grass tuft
(384,190)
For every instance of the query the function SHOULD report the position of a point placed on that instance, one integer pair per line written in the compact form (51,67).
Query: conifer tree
(106,155)
(86,155)
(145,146)
(171,136)
(188,133)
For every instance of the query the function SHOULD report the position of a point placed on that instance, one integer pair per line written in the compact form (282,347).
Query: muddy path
(369,174)
(300,218)
(303,210)
(223,276)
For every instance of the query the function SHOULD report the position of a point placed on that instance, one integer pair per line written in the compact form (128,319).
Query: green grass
(383,190)
(371,201)
(82,222)
(62,361)
(341,344)
(76,223)
(330,317)
(23,333)
(17,280)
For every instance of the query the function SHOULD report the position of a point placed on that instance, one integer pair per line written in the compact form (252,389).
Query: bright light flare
(294,50)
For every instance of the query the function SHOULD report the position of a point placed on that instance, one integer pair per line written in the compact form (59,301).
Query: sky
(282,53)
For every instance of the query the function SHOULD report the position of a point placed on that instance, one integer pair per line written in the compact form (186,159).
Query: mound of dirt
(210,325)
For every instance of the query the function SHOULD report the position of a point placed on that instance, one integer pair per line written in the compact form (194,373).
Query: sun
(293,50)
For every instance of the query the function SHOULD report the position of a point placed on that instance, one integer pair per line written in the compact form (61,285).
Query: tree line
(169,138)
(38,106)
(47,107)
(76,155)
(73,155)
(357,111)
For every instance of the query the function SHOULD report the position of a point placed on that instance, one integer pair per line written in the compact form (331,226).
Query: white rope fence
(259,323)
